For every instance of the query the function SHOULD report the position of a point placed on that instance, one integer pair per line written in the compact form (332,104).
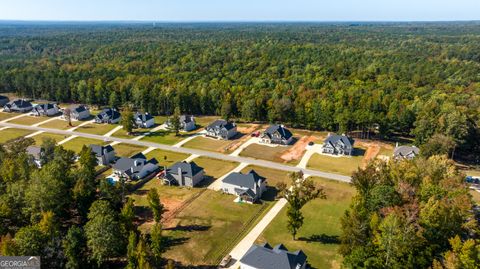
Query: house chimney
(343,134)
(136,162)
(328,134)
(396,145)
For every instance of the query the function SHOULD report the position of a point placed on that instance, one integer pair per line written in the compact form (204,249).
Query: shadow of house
(270,194)
(358,152)
(321,238)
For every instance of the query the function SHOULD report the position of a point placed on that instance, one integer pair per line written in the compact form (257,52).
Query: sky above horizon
(240,10)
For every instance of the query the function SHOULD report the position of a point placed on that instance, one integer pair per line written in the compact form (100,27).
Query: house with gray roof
(18,105)
(187,123)
(79,112)
(405,152)
(184,174)
(338,145)
(47,109)
(247,187)
(108,115)
(264,256)
(3,100)
(35,153)
(105,154)
(276,134)
(135,168)
(221,129)
(144,120)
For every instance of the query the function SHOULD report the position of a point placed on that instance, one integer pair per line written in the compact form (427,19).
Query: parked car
(311,143)
(256,134)
(225,261)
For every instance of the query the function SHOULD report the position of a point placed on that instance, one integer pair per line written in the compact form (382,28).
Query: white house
(48,109)
(80,112)
(144,120)
(247,187)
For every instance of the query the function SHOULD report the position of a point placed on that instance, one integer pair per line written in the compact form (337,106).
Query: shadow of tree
(170,241)
(321,238)
(189,228)
(207,180)
(270,194)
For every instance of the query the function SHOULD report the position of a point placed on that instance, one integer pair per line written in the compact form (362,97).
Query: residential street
(176,148)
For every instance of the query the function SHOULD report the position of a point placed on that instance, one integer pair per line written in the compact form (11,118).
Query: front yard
(339,165)
(12,133)
(95,128)
(77,143)
(164,137)
(264,152)
(40,137)
(209,144)
(215,168)
(28,120)
(209,227)
(60,124)
(127,150)
(273,177)
(166,158)
(319,235)
(136,132)
(5,115)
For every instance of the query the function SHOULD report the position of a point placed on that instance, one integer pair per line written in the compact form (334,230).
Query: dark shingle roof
(249,180)
(143,116)
(99,150)
(109,112)
(3,97)
(405,150)
(79,109)
(335,138)
(278,257)
(222,124)
(20,103)
(188,169)
(133,165)
(34,151)
(284,132)
(186,118)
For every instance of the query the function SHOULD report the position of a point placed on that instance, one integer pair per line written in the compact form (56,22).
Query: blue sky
(241,10)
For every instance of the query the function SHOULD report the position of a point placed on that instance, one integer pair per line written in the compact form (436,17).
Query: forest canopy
(404,78)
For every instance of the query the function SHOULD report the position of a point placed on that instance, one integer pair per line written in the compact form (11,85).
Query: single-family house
(108,115)
(80,112)
(338,145)
(3,100)
(247,187)
(221,129)
(136,167)
(405,152)
(35,153)
(144,120)
(264,256)
(18,105)
(187,123)
(276,134)
(184,174)
(105,154)
(47,109)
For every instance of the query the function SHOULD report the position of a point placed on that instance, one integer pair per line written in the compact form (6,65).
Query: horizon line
(238,21)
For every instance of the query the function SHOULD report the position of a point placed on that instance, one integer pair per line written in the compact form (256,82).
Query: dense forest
(405,79)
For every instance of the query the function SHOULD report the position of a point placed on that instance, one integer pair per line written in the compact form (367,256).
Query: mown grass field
(208,227)
(166,158)
(339,165)
(12,133)
(265,152)
(40,137)
(60,124)
(136,132)
(5,115)
(164,137)
(127,150)
(208,144)
(94,128)
(273,176)
(475,196)
(28,120)
(319,235)
(77,143)
(215,168)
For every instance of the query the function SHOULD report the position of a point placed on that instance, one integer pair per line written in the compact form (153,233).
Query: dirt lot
(375,149)
(247,130)
(298,149)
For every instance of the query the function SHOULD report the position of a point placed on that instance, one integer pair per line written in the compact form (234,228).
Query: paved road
(215,155)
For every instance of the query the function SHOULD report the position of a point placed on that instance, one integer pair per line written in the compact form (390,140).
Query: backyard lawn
(166,158)
(340,165)
(4,115)
(164,137)
(12,133)
(209,144)
(265,152)
(127,150)
(204,121)
(77,143)
(318,237)
(28,120)
(95,128)
(215,167)
(159,120)
(60,124)
(39,138)
(210,226)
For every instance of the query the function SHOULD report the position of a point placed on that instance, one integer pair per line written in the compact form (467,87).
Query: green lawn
(94,128)
(159,120)
(209,144)
(265,152)
(473,173)
(127,150)
(28,120)
(215,167)
(204,121)
(164,137)
(77,143)
(166,158)
(12,133)
(339,165)
(60,124)
(318,237)
(136,132)
(39,138)
(5,115)
(273,176)
(386,150)
(208,228)
(475,196)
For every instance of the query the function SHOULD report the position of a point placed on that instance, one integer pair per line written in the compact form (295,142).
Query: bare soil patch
(298,149)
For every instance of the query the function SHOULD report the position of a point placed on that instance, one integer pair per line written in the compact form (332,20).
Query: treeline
(317,76)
